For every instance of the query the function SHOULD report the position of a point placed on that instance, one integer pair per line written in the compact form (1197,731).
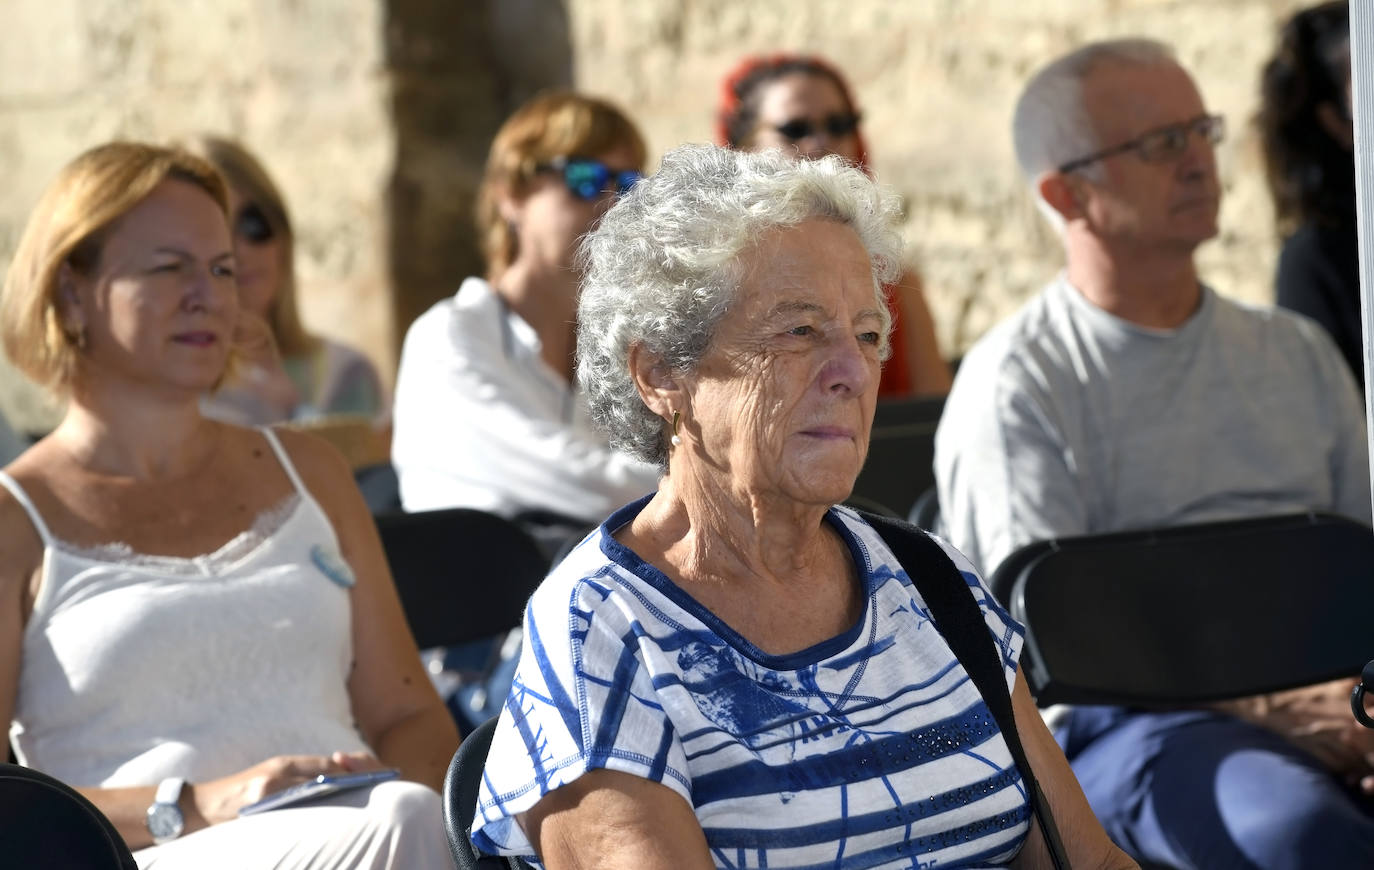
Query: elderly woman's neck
(545,297)
(133,435)
(714,535)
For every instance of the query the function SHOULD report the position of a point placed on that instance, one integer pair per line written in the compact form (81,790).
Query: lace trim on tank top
(266,525)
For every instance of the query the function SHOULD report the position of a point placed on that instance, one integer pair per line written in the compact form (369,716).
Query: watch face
(165,822)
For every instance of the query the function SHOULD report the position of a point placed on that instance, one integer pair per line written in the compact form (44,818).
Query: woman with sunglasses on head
(285,372)
(193,615)
(1307,130)
(802,104)
(487,412)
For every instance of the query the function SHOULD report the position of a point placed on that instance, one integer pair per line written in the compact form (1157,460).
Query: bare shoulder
(21,546)
(322,468)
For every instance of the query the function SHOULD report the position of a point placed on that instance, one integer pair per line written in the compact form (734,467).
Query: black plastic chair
(1192,614)
(925,513)
(461,784)
(47,823)
(462,575)
(901,452)
(380,487)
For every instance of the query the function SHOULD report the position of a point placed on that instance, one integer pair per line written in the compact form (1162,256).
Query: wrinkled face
(161,303)
(1149,205)
(810,98)
(550,219)
(782,402)
(260,253)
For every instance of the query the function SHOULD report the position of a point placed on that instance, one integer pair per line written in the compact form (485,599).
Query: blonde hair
(69,226)
(247,177)
(555,124)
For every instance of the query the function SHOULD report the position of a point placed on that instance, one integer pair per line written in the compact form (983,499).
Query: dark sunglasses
(252,225)
(835,126)
(1160,146)
(588,179)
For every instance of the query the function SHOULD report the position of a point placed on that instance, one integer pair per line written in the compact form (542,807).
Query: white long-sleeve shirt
(482,421)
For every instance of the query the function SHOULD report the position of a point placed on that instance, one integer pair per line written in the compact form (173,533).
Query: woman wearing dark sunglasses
(487,414)
(802,104)
(284,372)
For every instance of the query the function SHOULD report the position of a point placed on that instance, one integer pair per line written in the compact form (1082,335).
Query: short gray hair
(662,269)
(1050,127)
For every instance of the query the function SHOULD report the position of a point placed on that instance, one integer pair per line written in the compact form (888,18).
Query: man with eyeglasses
(1128,394)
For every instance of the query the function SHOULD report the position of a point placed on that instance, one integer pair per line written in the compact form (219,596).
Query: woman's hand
(220,800)
(259,364)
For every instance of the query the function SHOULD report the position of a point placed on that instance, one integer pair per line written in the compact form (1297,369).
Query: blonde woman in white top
(192,615)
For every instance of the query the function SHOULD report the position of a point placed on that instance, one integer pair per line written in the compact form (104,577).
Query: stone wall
(937,80)
(299,83)
(374,115)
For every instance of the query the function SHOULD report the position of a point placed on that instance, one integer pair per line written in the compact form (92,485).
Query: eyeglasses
(252,225)
(1161,145)
(836,126)
(589,179)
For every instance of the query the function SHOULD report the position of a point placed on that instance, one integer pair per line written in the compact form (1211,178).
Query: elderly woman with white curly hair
(734,671)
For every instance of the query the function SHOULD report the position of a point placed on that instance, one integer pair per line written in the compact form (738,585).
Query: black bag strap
(959,620)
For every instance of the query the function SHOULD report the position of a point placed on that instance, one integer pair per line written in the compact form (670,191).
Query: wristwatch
(165,821)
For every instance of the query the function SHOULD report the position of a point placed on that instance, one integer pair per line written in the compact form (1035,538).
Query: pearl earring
(675,440)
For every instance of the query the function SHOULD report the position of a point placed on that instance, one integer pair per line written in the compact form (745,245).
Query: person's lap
(394,824)
(1196,789)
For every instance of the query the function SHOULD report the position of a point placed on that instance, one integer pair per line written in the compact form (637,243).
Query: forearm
(1317,719)
(127,810)
(1282,711)
(420,746)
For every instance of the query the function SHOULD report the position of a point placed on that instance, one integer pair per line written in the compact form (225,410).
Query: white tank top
(139,667)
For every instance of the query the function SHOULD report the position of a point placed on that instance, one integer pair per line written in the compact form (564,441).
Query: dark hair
(1311,175)
(737,115)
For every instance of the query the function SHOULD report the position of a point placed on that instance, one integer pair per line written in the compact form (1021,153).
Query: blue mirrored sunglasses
(588,179)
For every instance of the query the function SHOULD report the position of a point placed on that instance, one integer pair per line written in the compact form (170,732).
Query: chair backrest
(461,574)
(461,784)
(380,487)
(47,823)
(901,452)
(1194,613)
(925,512)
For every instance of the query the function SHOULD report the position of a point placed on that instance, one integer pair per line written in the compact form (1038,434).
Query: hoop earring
(675,440)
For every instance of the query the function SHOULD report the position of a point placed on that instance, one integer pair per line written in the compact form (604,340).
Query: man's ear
(1060,191)
(659,387)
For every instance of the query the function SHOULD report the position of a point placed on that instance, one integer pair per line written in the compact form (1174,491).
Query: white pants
(391,825)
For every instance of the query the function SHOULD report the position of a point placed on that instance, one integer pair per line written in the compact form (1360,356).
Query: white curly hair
(662,267)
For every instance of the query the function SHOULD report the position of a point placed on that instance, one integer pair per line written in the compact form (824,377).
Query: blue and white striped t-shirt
(871,749)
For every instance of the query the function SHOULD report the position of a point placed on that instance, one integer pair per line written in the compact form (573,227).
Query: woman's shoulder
(316,460)
(21,542)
